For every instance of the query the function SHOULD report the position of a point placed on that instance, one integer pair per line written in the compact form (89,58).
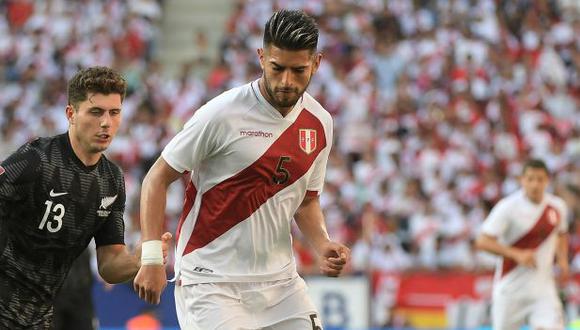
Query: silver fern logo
(105,203)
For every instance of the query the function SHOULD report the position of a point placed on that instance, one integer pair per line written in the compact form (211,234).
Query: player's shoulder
(510,201)
(224,104)
(110,168)
(39,143)
(40,146)
(556,200)
(312,105)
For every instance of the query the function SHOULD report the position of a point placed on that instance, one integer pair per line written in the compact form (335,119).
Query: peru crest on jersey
(307,140)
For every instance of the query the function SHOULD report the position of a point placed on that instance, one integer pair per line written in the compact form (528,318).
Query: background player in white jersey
(527,229)
(257,158)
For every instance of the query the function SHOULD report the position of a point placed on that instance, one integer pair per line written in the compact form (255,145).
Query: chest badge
(105,203)
(307,140)
(553,217)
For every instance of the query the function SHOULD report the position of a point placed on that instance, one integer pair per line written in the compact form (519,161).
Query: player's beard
(280,101)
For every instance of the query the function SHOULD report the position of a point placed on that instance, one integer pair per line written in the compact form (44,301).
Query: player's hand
(334,257)
(525,257)
(150,282)
(165,242)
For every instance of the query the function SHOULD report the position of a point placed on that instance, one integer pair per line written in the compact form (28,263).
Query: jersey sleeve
(563,227)
(20,169)
(193,143)
(113,229)
(497,221)
(316,182)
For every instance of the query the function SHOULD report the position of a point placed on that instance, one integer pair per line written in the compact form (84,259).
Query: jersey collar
(64,138)
(291,116)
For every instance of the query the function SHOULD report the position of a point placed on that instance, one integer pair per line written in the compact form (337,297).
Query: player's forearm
(310,220)
(121,269)
(491,245)
(153,201)
(116,265)
(562,250)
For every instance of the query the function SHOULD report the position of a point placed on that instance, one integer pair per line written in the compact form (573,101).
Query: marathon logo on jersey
(2,170)
(105,203)
(307,140)
(256,133)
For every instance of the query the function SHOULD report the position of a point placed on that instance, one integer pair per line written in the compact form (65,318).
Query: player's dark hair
(537,164)
(97,79)
(291,30)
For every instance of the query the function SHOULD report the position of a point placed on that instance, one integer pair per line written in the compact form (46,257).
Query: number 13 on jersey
(55,223)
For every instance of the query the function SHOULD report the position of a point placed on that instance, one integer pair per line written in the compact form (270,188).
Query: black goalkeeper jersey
(51,206)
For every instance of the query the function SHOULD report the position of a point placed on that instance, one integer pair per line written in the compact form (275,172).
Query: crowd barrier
(417,300)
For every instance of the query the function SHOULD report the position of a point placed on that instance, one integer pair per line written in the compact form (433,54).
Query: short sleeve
(19,170)
(497,221)
(316,182)
(563,209)
(193,143)
(113,229)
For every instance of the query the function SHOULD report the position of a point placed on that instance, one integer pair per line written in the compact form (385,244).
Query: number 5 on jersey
(282,174)
(55,223)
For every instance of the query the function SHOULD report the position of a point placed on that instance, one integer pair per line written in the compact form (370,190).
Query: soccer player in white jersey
(527,229)
(257,158)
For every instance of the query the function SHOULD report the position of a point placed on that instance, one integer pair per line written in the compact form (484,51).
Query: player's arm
(117,265)
(562,246)
(562,257)
(19,169)
(496,225)
(151,278)
(490,244)
(310,220)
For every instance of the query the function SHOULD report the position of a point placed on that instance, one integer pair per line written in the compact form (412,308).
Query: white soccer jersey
(517,221)
(250,170)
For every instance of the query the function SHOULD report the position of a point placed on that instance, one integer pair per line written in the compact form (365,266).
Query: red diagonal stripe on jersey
(190,193)
(534,237)
(235,199)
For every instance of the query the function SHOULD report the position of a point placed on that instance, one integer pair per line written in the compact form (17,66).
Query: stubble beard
(286,102)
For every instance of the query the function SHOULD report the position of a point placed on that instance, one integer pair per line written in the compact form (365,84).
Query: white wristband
(151,253)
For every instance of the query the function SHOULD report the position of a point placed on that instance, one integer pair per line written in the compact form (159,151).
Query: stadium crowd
(436,105)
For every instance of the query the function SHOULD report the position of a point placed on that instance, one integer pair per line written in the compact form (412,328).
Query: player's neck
(535,199)
(86,157)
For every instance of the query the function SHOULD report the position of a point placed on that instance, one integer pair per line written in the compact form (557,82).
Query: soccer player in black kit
(58,193)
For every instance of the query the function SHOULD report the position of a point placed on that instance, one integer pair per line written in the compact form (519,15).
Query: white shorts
(276,305)
(512,310)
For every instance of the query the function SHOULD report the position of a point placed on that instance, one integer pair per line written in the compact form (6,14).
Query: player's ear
(70,114)
(521,179)
(260,52)
(317,59)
